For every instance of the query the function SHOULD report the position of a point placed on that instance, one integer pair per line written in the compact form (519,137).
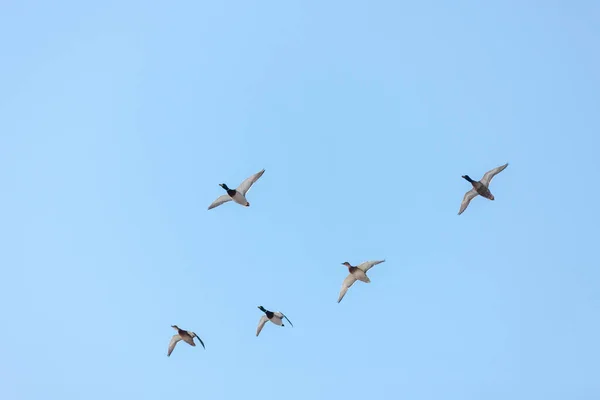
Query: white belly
(361,276)
(240,199)
(276,321)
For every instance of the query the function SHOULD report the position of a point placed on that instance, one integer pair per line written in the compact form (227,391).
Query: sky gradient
(118,120)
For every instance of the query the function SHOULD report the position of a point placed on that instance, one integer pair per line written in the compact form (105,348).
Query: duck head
(175,327)
(467,178)
(261,308)
(347,264)
(224,186)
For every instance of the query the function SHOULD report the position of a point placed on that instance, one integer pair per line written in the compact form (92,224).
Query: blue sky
(118,120)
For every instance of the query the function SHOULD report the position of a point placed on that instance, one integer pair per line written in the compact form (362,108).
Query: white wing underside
(487,178)
(247,184)
(174,340)
(470,195)
(348,282)
(367,265)
(261,323)
(220,200)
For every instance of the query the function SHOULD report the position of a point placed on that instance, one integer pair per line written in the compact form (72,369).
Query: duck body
(480,188)
(186,336)
(237,195)
(274,317)
(358,273)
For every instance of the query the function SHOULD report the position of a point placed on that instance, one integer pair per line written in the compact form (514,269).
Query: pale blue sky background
(119,119)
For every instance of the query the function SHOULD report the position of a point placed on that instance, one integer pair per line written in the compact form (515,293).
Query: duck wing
(348,282)
(193,335)
(220,200)
(176,338)
(261,323)
(487,178)
(245,186)
(368,265)
(282,315)
(470,195)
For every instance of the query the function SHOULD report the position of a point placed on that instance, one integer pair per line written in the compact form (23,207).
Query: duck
(480,187)
(274,317)
(356,273)
(238,195)
(186,336)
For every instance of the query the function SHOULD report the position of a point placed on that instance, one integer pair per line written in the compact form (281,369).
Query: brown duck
(480,188)
(186,336)
(358,273)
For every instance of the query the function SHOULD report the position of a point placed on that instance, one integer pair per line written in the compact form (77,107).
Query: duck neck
(468,178)
(226,187)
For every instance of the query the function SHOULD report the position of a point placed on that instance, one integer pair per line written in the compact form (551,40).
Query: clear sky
(118,120)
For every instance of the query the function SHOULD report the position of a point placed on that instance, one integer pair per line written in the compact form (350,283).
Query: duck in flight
(238,195)
(480,187)
(358,273)
(274,317)
(186,336)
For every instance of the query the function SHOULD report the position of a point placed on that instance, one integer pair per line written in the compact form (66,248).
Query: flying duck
(187,337)
(356,273)
(480,187)
(274,317)
(238,195)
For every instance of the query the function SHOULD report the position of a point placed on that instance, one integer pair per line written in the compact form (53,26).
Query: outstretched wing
(470,195)
(487,178)
(367,265)
(245,186)
(261,323)
(282,315)
(222,199)
(174,340)
(288,320)
(349,281)
(198,337)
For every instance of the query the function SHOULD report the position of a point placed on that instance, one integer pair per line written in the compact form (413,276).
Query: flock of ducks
(356,273)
